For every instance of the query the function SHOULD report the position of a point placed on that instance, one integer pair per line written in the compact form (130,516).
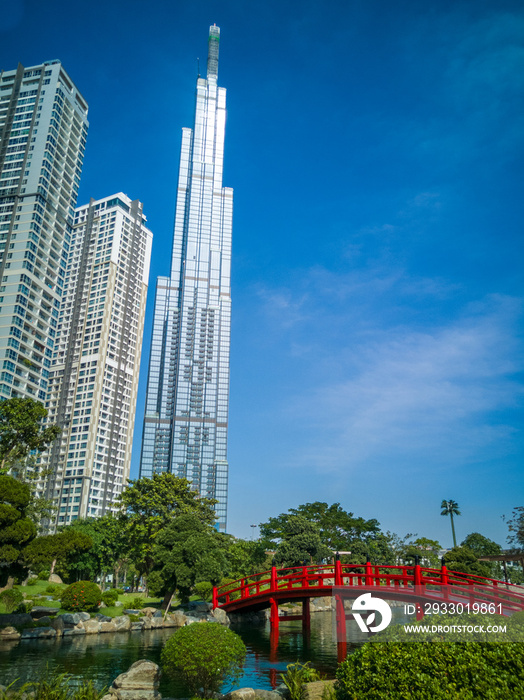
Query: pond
(103,657)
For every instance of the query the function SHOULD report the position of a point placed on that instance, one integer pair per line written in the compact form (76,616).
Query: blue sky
(376,153)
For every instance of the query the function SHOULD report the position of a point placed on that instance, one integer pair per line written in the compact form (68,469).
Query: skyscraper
(94,374)
(185,424)
(43,128)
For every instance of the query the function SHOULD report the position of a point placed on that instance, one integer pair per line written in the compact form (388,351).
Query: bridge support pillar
(306,615)
(273,617)
(340,614)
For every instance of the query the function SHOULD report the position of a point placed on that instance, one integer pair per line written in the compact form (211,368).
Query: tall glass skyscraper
(185,424)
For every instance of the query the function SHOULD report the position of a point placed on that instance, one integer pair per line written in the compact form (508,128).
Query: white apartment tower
(96,359)
(43,128)
(186,418)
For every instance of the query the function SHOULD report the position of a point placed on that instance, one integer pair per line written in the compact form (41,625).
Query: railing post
(369,574)
(417,575)
(304,577)
(338,573)
(215,597)
(444,579)
(273,586)
(242,588)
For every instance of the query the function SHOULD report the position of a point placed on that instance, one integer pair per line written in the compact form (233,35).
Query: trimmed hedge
(433,669)
(81,596)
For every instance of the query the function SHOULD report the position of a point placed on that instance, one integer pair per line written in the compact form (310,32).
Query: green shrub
(434,670)
(53,589)
(110,597)
(137,603)
(120,591)
(53,686)
(296,677)
(43,575)
(24,607)
(82,595)
(32,581)
(204,655)
(204,590)
(11,598)
(517,618)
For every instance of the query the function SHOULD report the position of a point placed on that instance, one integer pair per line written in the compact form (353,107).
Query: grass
(39,589)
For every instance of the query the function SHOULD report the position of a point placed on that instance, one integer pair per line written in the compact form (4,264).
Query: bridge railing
(465,586)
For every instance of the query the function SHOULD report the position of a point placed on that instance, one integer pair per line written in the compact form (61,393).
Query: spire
(212,53)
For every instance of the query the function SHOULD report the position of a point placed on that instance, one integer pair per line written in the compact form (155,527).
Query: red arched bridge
(412,584)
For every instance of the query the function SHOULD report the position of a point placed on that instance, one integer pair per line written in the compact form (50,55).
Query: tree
(244,557)
(450,508)
(205,657)
(152,504)
(21,430)
(482,547)
(16,528)
(516,527)
(465,561)
(426,549)
(300,543)
(337,527)
(45,551)
(187,551)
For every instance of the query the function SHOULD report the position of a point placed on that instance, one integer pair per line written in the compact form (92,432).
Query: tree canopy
(21,430)
(186,552)
(150,505)
(16,528)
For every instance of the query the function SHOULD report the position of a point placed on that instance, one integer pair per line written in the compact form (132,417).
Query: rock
(179,618)
(107,626)
(148,611)
(267,695)
(122,623)
(200,606)
(320,604)
(137,626)
(103,618)
(147,623)
(158,613)
(220,616)
(190,619)
(8,633)
(73,632)
(39,611)
(129,611)
(315,690)
(39,633)
(119,604)
(103,605)
(241,694)
(54,578)
(70,619)
(92,626)
(140,682)
(44,621)
(157,622)
(18,619)
(58,624)
(84,616)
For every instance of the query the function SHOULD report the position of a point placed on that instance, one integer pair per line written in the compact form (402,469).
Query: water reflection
(102,657)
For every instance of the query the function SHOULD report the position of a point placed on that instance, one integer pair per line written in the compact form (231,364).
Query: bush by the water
(81,596)
(434,668)
(53,687)
(204,589)
(137,603)
(11,598)
(110,597)
(205,656)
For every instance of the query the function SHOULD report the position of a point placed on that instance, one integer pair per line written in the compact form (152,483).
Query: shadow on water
(103,657)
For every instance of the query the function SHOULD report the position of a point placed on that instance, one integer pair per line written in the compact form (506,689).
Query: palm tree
(450,508)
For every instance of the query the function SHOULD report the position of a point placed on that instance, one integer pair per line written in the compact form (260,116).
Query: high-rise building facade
(43,129)
(186,415)
(95,367)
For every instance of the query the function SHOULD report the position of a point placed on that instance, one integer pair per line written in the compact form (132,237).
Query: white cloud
(431,395)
